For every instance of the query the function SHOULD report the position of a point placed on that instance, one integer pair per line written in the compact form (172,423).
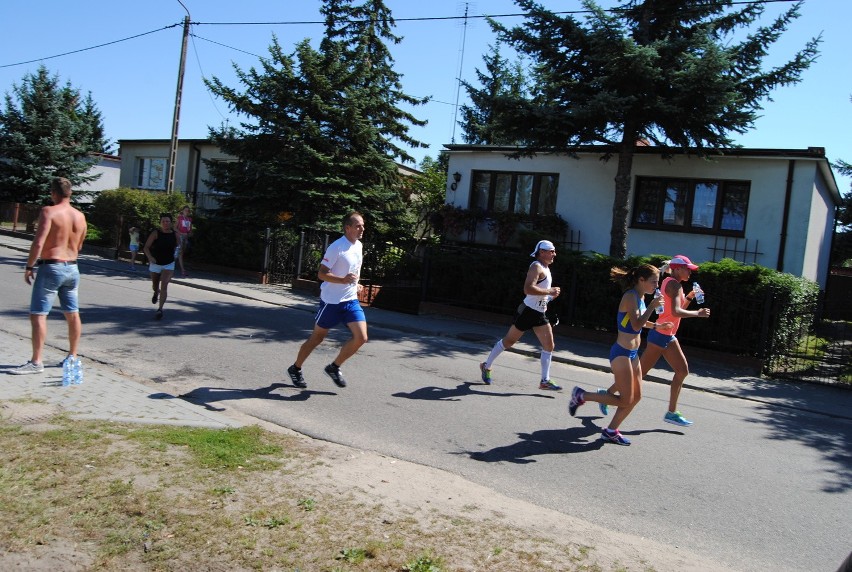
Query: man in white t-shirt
(339,272)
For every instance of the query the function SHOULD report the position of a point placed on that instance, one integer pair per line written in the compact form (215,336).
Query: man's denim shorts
(61,278)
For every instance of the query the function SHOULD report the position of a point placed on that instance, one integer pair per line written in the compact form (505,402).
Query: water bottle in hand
(658,294)
(699,293)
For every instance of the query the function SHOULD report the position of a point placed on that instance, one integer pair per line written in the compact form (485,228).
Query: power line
(91,47)
(318,22)
(225,46)
(204,77)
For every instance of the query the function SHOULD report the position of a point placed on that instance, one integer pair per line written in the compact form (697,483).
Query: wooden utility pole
(176,118)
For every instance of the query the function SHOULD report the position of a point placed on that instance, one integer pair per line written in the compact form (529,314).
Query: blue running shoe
(676,419)
(603,406)
(549,385)
(486,374)
(616,437)
(576,400)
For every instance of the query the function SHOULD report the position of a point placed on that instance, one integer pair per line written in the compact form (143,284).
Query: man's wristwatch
(30,267)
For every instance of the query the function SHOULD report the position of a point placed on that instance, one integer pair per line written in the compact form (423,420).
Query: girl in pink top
(663,342)
(184,227)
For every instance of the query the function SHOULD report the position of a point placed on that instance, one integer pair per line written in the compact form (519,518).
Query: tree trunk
(620,204)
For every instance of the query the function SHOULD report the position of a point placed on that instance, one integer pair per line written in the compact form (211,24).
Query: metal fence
(19,217)
(819,350)
(391,273)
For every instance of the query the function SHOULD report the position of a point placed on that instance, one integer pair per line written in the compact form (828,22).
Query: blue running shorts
(329,315)
(618,351)
(658,339)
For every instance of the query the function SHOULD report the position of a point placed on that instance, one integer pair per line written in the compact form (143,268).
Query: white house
(145,165)
(109,169)
(773,207)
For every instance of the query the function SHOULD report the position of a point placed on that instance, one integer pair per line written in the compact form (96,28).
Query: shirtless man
(60,235)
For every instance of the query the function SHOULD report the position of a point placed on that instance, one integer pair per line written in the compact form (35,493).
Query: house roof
(811,153)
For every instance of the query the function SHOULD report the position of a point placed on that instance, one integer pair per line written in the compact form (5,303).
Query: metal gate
(822,354)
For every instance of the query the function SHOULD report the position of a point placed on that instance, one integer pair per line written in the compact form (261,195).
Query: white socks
(495,351)
(546,358)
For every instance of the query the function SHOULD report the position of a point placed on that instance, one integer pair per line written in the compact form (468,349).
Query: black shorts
(526,318)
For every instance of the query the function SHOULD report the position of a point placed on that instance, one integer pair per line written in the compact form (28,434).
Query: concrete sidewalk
(110,395)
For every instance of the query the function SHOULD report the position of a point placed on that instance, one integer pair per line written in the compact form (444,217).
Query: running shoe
(676,419)
(155,297)
(616,437)
(27,368)
(547,384)
(576,400)
(335,374)
(486,374)
(158,315)
(603,406)
(296,376)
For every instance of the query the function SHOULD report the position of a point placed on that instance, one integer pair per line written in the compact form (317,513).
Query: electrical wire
(91,47)
(316,22)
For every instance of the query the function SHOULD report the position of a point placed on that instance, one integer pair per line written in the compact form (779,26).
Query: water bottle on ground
(658,294)
(77,372)
(67,373)
(699,293)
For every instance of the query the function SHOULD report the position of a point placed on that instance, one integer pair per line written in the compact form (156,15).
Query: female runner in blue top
(623,356)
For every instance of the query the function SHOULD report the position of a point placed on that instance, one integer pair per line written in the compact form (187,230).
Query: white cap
(542,245)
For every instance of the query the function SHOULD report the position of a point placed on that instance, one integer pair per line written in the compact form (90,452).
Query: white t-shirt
(341,258)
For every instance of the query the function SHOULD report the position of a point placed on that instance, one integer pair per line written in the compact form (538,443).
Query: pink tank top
(667,315)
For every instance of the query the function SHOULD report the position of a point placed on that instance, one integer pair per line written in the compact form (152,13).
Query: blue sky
(133,82)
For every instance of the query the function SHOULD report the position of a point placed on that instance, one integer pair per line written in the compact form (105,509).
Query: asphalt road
(753,486)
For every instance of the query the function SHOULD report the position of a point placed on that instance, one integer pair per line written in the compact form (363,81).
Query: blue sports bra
(624,320)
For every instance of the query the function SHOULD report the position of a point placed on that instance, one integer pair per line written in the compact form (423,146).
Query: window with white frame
(151,173)
(507,191)
(691,205)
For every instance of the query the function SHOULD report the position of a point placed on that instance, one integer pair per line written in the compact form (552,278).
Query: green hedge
(756,311)
(114,211)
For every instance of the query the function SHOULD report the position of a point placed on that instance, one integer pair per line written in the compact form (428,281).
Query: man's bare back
(64,229)
(61,230)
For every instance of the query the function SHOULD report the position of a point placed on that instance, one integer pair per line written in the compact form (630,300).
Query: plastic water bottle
(67,370)
(77,372)
(699,293)
(658,294)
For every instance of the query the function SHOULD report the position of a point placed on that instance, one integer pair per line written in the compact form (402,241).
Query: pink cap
(681,260)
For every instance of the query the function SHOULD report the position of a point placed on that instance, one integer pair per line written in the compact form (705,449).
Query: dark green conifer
(46,131)
(672,72)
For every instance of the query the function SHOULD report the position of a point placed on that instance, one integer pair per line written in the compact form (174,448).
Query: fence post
(424,278)
(15,217)
(118,235)
(264,273)
(765,341)
(299,255)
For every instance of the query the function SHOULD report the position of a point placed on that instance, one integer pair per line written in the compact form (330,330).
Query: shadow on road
(435,393)
(543,442)
(204,396)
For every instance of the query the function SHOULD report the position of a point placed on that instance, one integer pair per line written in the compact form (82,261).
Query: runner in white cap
(531,315)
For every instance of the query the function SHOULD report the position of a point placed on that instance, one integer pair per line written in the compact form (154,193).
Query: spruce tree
(44,133)
(322,128)
(673,72)
(500,80)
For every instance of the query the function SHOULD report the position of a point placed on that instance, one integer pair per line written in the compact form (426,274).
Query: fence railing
(19,217)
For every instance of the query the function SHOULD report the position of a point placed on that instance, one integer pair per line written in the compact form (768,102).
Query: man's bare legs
(39,333)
